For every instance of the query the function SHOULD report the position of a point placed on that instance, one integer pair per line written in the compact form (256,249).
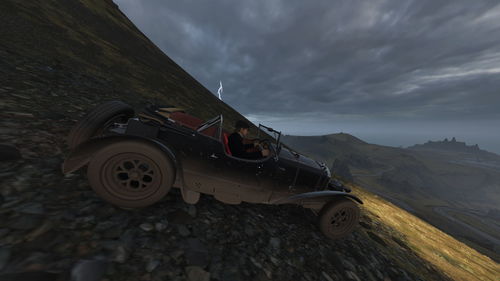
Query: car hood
(289,155)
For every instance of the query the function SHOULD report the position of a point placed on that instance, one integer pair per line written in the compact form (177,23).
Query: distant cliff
(448,145)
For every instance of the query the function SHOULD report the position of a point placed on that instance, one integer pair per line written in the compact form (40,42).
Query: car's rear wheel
(131,174)
(338,218)
(97,121)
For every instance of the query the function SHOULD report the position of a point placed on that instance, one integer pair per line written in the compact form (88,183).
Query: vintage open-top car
(133,161)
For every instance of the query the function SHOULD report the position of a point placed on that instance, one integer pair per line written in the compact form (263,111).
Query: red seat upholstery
(210,132)
(192,122)
(225,140)
(186,119)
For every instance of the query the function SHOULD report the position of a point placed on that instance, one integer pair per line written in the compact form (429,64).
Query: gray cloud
(368,64)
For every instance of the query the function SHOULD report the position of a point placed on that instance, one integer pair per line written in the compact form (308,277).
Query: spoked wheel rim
(342,220)
(131,176)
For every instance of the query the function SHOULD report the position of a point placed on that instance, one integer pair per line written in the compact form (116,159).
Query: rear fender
(81,155)
(315,199)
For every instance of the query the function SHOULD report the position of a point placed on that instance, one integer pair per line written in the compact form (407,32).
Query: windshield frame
(276,137)
(217,120)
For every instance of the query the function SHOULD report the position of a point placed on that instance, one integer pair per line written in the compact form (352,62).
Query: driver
(244,148)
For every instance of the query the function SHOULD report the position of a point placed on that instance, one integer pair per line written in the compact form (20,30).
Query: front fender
(81,155)
(315,195)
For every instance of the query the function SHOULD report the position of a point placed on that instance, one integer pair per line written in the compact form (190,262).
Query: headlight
(328,173)
(325,168)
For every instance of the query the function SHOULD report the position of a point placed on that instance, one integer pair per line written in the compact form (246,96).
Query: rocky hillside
(53,227)
(49,223)
(60,58)
(64,57)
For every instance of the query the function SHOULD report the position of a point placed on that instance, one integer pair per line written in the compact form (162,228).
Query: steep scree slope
(58,59)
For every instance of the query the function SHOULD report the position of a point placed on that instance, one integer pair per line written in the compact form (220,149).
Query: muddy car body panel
(133,162)
(203,166)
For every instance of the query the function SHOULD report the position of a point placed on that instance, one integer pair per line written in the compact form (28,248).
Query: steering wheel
(264,144)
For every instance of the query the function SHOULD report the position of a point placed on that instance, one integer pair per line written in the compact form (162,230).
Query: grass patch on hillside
(452,257)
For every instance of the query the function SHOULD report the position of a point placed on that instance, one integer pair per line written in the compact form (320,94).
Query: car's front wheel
(338,218)
(131,174)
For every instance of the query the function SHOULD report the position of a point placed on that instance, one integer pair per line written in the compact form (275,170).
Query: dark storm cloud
(351,61)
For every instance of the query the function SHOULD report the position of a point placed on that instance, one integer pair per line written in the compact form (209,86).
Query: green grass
(450,256)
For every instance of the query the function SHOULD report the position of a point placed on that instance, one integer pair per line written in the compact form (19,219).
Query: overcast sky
(390,72)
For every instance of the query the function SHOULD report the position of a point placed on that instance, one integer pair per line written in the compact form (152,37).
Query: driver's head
(242,127)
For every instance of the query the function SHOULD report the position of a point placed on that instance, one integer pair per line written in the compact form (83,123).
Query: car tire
(338,218)
(98,120)
(131,174)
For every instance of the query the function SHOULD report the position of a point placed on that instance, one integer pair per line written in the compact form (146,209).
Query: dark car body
(203,165)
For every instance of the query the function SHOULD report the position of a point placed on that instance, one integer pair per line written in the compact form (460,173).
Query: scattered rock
(105,225)
(160,226)
(249,230)
(179,217)
(274,260)
(147,227)
(152,265)
(348,265)
(352,276)
(9,153)
(88,270)
(25,222)
(4,257)
(327,277)
(192,210)
(401,243)
(45,227)
(176,254)
(183,230)
(31,208)
(275,242)
(36,275)
(3,232)
(113,232)
(196,253)
(365,225)
(52,115)
(377,239)
(12,201)
(379,274)
(128,238)
(121,254)
(196,273)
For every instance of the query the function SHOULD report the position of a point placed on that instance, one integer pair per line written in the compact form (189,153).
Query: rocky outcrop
(447,145)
